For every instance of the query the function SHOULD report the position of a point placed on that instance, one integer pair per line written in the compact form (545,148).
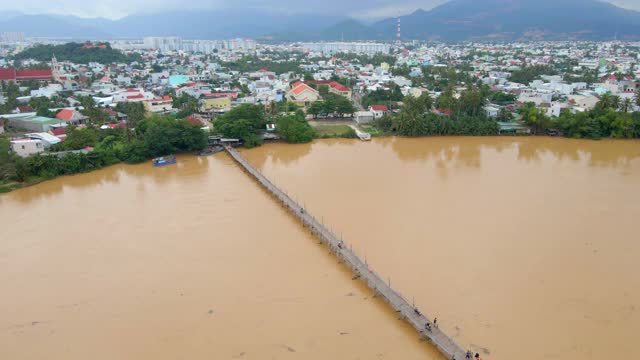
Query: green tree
(534,117)
(504,115)
(315,108)
(295,129)
(79,138)
(626,104)
(242,122)
(7,161)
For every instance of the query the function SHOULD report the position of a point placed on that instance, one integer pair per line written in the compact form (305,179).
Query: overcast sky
(113,9)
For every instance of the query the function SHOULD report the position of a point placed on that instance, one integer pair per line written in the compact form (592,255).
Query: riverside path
(408,312)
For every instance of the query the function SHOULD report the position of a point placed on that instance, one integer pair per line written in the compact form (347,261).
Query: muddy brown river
(522,247)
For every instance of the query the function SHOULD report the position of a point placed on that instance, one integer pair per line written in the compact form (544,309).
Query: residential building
(72,117)
(26,147)
(378,111)
(336,88)
(364,117)
(159,105)
(216,103)
(10,74)
(302,94)
(31,122)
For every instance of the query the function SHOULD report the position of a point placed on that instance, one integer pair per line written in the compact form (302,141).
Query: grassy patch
(7,186)
(374,131)
(334,131)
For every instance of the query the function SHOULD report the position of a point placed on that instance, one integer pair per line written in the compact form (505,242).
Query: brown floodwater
(192,261)
(522,247)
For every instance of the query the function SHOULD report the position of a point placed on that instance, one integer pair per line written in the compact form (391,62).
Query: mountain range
(456,20)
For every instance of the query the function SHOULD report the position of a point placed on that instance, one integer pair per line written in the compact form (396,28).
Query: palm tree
(638,97)
(615,102)
(626,104)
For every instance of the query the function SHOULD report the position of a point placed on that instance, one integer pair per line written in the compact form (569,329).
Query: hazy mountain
(518,19)
(347,30)
(187,24)
(455,20)
(49,26)
(6,15)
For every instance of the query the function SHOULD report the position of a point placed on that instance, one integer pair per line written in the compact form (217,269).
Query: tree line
(77,53)
(416,117)
(154,136)
(611,118)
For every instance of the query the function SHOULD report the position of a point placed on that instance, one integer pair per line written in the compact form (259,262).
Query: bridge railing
(376,282)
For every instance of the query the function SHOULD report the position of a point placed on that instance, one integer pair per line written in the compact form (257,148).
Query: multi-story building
(163,43)
(348,47)
(12,37)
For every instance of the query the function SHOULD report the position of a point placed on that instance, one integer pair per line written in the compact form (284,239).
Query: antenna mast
(398,37)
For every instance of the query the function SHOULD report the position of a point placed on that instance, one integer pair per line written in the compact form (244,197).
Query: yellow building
(221,103)
(385,66)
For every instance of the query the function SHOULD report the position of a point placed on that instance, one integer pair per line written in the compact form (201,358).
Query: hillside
(519,20)
(456,20)
(76,53)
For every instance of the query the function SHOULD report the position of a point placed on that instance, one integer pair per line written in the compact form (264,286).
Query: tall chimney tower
(398,39)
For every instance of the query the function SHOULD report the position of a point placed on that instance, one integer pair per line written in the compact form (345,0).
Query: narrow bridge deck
(418,320)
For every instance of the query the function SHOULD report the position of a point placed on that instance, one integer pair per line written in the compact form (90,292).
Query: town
(66,98)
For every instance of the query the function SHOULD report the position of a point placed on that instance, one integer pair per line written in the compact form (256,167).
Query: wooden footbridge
(382,288)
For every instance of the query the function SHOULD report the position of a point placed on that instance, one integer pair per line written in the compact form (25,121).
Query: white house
(363,117)
(583,103)
(27,147)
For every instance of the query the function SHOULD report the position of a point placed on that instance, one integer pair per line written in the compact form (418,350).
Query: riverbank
(336,131)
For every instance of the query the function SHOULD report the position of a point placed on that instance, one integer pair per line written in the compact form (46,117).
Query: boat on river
(211,150)
(164,161)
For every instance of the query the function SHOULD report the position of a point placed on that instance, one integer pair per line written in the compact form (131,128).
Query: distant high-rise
(163,43)
(12,37)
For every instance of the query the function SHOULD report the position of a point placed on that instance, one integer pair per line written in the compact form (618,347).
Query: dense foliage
(332,104)
(500,97)
(295,128)
(156,136)
(77,53)
(604,121)
(529,73)
(383,97)
(253,63)
(243,122)
(416,119)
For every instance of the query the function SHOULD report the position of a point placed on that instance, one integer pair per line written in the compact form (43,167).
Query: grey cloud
(366,9)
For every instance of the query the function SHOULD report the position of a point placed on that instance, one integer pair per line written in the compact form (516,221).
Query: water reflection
(467,152)
(286,156)
(188,167)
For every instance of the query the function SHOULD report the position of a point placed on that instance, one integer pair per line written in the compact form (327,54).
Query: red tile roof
(33,74)
(379,108)
(219,95)
(137,96)
(7,74)
(193,120)
(300,87)
(58,131)
(338,86)
(18,75)
(65,114)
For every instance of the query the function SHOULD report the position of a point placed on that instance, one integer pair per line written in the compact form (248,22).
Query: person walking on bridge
(435,322)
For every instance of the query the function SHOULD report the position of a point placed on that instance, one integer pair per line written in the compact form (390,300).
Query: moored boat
(164,160)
